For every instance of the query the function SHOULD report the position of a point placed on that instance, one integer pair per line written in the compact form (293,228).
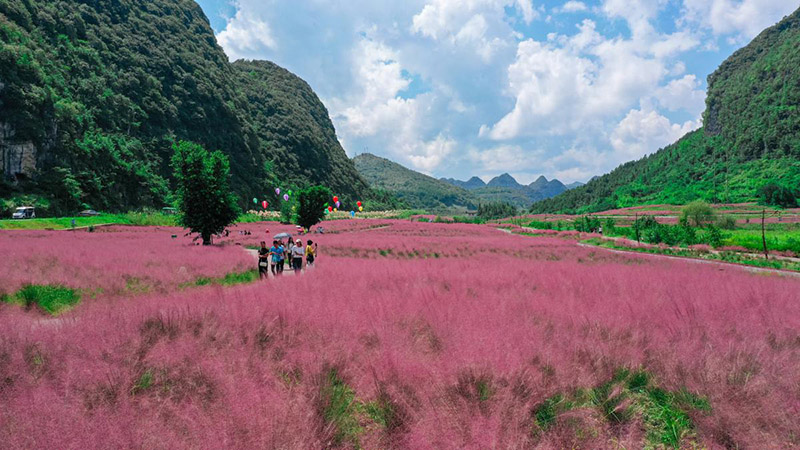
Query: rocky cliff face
(17,159)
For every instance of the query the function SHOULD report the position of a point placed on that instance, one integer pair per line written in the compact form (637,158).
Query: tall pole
(764,232)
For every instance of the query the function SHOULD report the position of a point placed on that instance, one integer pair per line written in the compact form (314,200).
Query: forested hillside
(415,189)
(93,94)
(751,136)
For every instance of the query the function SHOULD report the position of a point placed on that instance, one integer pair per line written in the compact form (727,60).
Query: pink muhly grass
(462,329)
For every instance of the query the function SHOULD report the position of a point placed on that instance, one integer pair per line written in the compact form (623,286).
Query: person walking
(297,256)
(311,253)
(275,256)
(289,247)
(281,256)
(263,261)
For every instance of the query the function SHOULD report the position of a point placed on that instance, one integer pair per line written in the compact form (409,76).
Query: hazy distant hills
(415,189)
(422,191)
(506,189)
(751,136)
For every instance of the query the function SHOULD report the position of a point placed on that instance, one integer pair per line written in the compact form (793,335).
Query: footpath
(721,264)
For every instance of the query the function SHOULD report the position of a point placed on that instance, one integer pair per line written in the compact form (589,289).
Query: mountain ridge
(93,94)
(416,189)
(751,136)
(505,188)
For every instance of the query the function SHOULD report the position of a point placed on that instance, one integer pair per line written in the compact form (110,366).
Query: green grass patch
(65,223)
(781,240)
(350,416)
(341,409)
(230,279)
(253,218)
(631,395)
(143,383)
(730,257)
(234,278)
(51,298)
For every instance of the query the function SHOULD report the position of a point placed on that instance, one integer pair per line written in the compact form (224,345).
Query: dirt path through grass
(744,267)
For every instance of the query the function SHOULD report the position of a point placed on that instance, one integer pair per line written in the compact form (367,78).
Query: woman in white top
(297,256)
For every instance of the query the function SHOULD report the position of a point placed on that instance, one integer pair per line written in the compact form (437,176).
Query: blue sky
(456,88)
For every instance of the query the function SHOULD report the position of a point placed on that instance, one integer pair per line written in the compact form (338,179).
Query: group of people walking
(275,257)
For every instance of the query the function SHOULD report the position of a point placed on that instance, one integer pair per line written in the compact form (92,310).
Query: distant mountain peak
(505,181)
(472,183)
(541,181)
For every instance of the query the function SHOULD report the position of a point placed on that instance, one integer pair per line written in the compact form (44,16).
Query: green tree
(288,210)
(311,205)
(203,194)
(498,210)
(773,194)
(698,213)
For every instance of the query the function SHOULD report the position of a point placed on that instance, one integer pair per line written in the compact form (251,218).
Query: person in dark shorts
(297,256)
(311,252)
(263,261)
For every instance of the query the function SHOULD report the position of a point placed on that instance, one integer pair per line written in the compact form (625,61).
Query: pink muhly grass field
(463,331)
(112,260)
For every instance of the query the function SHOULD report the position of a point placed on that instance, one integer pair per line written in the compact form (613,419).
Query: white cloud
(571,83)
(638,13)
(477,24)
(683,94)
(415,80)
(427,156)
(745,18)
(573,6)
(375,108)
(246,35)
(644,131)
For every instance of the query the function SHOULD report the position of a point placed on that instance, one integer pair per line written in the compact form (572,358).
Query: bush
(698,213)
(587,224)
(640,225)
(610,226)
(714,236)
(539,225)
(773,194)
(689,235)
(499,210)
(726,222)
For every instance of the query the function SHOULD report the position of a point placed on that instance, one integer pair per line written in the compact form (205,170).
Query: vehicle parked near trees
(24,212)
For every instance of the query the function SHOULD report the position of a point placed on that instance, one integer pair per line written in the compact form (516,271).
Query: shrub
(714,236)
(497,210)
(698,213)
(587,224)
(726,222)
(774,194)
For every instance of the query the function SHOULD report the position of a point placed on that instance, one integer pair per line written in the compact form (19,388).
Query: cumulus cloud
(567,83)
(463,87)
(683,94)
(745,18)
(573,6)
(477,24)
(644,131)
(376,109)
(245,36)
